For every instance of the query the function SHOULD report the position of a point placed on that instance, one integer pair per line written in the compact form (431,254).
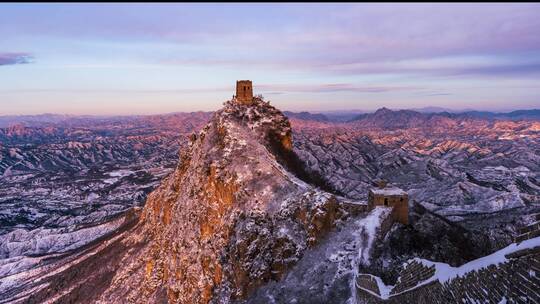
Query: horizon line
(337,111)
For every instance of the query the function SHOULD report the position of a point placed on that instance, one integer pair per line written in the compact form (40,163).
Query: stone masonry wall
(367,282)
(516,281)
(414,273)
(530,231)
(353,209)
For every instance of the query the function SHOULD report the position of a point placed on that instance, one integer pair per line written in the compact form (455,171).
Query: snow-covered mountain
(257,209)
(233,215)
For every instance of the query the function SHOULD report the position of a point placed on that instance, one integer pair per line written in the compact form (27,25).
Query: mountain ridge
(230,217)
(49,119)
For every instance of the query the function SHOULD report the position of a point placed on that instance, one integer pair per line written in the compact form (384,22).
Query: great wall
(509,275)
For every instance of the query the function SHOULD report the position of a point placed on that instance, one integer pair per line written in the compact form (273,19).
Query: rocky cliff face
(232,216)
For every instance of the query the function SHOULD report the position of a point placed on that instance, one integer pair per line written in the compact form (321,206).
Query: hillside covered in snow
(252,207)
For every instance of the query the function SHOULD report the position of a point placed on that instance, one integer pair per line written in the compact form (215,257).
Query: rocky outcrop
(232,216)
(325,272)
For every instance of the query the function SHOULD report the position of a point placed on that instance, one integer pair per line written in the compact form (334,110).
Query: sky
(110,59)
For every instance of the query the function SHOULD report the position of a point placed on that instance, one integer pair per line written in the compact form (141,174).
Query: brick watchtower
(244,92)
(390,197)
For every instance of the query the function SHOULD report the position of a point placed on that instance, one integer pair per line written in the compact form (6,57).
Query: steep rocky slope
(61,180)
(232,216)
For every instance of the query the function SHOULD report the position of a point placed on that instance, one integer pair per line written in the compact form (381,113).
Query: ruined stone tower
(390,197)
(244,92)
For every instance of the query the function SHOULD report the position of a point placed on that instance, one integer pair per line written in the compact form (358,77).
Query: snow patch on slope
(368,230)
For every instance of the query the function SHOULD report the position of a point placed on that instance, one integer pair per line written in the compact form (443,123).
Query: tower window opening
(386,201)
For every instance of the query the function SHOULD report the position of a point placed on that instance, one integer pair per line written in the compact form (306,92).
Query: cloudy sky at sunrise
(158,58)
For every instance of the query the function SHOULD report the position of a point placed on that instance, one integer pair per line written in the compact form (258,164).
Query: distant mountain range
(514,115)
(352,115)
(400,114)
(41,120)
(330,116)
(29,120)
(421,113)
(307,116)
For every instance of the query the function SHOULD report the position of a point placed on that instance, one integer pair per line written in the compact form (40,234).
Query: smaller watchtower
(390,197)
(244,92)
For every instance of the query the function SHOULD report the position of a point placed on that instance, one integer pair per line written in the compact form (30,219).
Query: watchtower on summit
(244,92)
